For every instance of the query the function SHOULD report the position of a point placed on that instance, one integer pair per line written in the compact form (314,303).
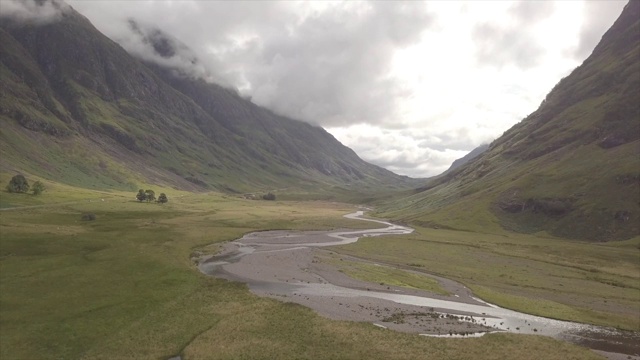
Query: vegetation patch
(125,287)
(88,217)
(385,275)
(546,276)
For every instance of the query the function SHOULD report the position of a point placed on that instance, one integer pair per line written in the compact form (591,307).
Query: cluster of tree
(19,184)
(150,195)
(269,196)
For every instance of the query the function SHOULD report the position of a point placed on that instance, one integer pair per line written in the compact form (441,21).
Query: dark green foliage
(150,195)
(162,198)
(141,196)
(37,188)
(88,217)
(18,184)
(269,196)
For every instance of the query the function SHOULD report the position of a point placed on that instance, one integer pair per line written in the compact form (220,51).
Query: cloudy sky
(410,86)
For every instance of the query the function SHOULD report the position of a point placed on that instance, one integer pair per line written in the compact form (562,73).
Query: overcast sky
(410,86)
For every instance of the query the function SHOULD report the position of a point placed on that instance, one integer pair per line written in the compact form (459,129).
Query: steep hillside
(465,159)
(76,107)
(571,168)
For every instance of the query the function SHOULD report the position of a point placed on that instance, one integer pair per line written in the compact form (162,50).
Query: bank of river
(291,266)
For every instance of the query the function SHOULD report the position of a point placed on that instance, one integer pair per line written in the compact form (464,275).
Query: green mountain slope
(465,159)
(77,108)
(571,168)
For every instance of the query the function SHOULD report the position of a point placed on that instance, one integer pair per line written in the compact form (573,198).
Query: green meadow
(384,275)
(123,286)
(596,283)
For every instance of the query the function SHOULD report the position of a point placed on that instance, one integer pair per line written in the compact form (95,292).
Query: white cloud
(32,11)
(408,85)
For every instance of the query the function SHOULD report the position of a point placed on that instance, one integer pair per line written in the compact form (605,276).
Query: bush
(141,196)
(150,195)
(88,217)
(37,188)
(18,184)
(269,196)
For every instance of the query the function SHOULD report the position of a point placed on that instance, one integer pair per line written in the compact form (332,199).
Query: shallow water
(598,338)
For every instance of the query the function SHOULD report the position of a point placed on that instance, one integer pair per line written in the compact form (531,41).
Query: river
(284,265)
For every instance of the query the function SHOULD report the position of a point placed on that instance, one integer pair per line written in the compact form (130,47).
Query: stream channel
(283,265)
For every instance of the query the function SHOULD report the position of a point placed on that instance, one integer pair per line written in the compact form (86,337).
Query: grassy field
(596,283)
(124,287)
(384,275)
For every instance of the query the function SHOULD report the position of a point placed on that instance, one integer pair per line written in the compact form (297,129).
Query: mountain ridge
(66,85)
(468,157)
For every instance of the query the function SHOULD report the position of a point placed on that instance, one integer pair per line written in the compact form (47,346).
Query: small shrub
(37,188)
(269,196)
(18,184)
(150,195)
(141,196)
(88,217)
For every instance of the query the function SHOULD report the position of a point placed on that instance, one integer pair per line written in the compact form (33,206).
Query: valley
(271,239)
(292,266)
(126,286)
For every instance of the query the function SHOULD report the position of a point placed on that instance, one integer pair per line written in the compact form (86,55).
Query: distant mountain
(465,159)
(77,108)
(571,168)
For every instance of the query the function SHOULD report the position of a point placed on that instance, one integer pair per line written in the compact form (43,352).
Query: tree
(141,196)
(18,184)
(269,196)
(37,188)
(162,198)
(150,195)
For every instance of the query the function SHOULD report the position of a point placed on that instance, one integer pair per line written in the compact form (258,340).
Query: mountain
(571,168)
(465,159)
(77,108)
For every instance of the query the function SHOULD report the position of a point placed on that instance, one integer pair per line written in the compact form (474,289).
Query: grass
(385,275)
(595,196)
(551,277)
(287,330)
(123,286)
